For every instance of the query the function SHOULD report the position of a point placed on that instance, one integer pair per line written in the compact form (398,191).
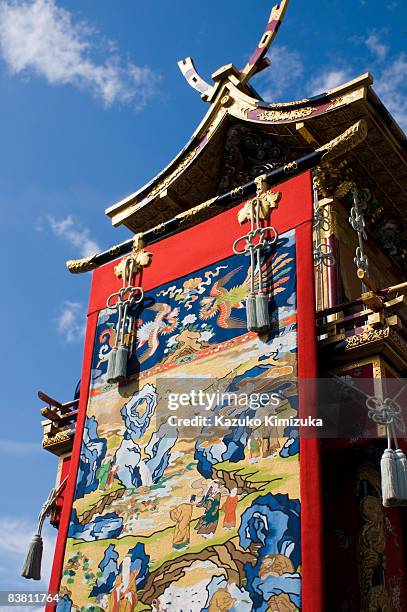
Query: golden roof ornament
(267,200)
(139,257)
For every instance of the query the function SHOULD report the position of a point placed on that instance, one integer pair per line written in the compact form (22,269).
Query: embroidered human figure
(113,471)
(123,597)
(208,523)
(103,474)
(182,516)
(254,449)
(229,508)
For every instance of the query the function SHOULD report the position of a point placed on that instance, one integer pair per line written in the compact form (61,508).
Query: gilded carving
(334,180)
(371,543)
(399,342)
(369,473)
(241,109)
(268,201)
(290,115)
(246,152)
(366,337)
(196,210)
(379,600)
(278,105)
(141,259)
(244,111)
(77,266)
(345,142)
(58,438)
(344,99)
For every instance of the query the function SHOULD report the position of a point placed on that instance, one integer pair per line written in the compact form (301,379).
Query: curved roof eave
(230,100)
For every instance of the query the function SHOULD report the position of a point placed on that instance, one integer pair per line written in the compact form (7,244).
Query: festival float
(269,252)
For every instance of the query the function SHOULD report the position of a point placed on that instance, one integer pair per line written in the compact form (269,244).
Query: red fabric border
(59,504)
(310,463)
(71,482)
(178,255)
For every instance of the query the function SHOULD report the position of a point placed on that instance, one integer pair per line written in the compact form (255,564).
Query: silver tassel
(389,478)
(401,471)
(251,315)
(111,366)
(121,363)
(257,307)
(32,564)
(262,312)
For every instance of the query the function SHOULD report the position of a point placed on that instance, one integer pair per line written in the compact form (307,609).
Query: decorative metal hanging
(323,255)
(393,465)
(388,412)
(32,563)
(357,222)
(124,301)
(257,210)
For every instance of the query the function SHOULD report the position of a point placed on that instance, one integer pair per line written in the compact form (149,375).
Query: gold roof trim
(231,101)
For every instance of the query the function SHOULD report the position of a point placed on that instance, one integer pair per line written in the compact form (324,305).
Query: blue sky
(92,105)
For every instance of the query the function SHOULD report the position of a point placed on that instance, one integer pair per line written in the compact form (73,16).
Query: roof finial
(257,62)
(258,59)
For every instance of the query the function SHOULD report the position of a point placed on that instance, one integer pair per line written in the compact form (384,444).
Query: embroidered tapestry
(165,520)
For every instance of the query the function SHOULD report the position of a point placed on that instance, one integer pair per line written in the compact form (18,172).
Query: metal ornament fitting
(257,306)
(386,412)
(357,223)
(250,242)
(138,259)
(122,301)
(322,253)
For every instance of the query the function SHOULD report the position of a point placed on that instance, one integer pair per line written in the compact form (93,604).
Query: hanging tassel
(121,363)
(401,472)
(32,564)
(389,478)
(251,313)
(255,210)
(262,312)
(111,366)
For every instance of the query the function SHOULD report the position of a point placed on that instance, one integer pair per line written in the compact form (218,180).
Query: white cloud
(37,36)
(15,537)
(71,322)
(281,79)
(376,47)
(328,80)
(16,447)
(72,233)
(391,86)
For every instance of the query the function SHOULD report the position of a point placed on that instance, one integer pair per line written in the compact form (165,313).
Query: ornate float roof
(240,132)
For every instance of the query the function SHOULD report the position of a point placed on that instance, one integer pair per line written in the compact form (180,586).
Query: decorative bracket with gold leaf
(267,200)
